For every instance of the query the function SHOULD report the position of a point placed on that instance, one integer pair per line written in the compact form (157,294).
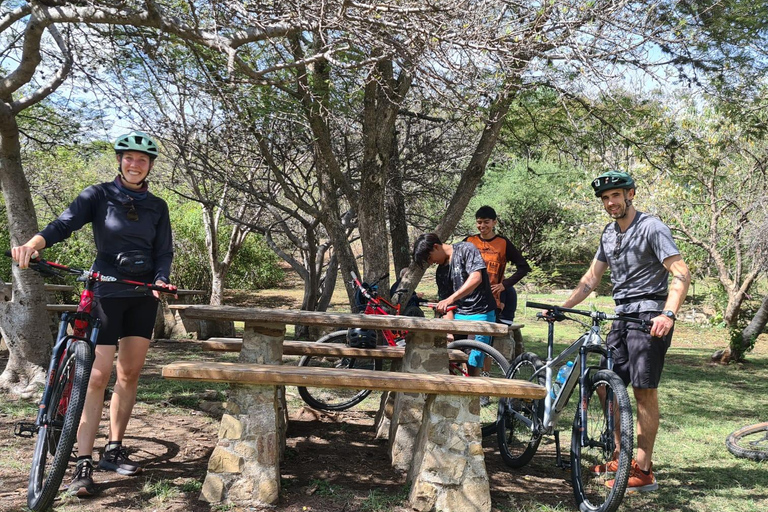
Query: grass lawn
(700,403)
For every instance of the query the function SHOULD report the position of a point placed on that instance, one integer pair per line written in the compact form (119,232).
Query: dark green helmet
(136,141)
(610,180)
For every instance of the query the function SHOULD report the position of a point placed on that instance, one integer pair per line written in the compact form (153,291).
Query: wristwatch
(669,314)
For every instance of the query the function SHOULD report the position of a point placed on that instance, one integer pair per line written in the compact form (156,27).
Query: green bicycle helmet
(610,180)
(137,141)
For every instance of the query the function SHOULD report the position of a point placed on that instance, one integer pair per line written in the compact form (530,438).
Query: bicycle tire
(56,438)
(750,442)
(489,406)
(519,440)
(590,490)
(326,399)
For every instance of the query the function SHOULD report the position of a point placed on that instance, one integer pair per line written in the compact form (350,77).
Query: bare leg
(130,361)
(94,399)
(647,425)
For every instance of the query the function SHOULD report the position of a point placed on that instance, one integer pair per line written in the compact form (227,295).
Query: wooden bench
(312,348)
(285,375)
(434,431)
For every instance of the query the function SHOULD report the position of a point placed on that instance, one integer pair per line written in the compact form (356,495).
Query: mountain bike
(750,442)
(371,303)
(602,426)
(66,384)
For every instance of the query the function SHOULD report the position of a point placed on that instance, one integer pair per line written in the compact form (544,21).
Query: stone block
(246,450)
(224,461)
(213,489)
(266,449)
(230,428)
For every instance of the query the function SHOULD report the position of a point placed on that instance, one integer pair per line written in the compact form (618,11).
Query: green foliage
(542,209)
(255,265)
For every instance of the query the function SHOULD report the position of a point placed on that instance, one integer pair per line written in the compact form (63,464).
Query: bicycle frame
(588,343)
(85,327)
(375,305)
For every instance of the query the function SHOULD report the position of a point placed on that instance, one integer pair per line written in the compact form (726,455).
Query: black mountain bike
(66,384)
(602,401)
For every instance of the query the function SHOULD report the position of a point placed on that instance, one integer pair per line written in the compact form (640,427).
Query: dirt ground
(332,462)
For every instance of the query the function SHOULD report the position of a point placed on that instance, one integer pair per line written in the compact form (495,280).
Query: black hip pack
(130,263)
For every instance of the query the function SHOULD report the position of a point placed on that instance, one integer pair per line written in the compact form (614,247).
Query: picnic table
(434,430)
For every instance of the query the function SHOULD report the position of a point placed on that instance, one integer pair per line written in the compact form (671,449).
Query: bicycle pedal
(23,429)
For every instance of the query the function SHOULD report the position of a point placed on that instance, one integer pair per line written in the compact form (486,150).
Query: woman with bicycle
(132,232)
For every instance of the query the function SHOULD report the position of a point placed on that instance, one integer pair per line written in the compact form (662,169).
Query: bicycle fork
(59,353)
(607,441)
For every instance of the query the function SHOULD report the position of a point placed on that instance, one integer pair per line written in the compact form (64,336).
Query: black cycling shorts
(125,316)
(638,357)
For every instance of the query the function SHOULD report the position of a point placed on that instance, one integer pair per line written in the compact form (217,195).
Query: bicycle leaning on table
(369,301)
(66,384)
(596,437)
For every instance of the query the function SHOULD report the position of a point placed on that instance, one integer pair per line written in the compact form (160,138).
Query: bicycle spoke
(518,441)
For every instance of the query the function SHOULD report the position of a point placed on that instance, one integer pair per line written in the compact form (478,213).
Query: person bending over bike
(462,279)
(497,251)
(641,254)
(132,231)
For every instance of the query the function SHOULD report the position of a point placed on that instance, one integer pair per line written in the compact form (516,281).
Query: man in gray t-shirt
(641,254)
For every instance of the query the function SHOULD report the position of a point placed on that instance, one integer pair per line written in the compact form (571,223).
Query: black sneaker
(82,483)
(117,459)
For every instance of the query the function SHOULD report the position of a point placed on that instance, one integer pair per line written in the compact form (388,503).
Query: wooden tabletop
(322,318)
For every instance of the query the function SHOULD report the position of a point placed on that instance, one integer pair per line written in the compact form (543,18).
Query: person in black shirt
(124,217)
(462,280)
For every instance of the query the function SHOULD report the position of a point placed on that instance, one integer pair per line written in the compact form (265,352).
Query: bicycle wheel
(519,420)
(750,442)
(336,399)
(499,366)
(56,436)
(589,489)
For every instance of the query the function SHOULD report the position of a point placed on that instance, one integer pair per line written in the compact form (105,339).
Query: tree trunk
(743,343)
(398,224)
(28,339)
(470,179)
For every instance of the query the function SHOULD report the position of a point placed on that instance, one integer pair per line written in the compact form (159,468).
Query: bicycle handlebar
(433,305)
(52,268)
(557,314)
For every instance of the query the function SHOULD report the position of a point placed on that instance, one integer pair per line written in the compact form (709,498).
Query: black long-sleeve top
(106,207)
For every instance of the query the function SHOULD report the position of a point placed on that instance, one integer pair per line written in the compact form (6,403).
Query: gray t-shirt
(465,259)
(636,265)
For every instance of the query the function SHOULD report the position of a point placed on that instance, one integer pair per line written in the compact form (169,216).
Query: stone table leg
(448,471)
(244,468)
(424,353)
(381,423)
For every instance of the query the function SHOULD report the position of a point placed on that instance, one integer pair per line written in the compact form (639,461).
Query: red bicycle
(66,384)
(371,303)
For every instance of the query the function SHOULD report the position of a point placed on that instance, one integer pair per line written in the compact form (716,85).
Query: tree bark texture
(28,339)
